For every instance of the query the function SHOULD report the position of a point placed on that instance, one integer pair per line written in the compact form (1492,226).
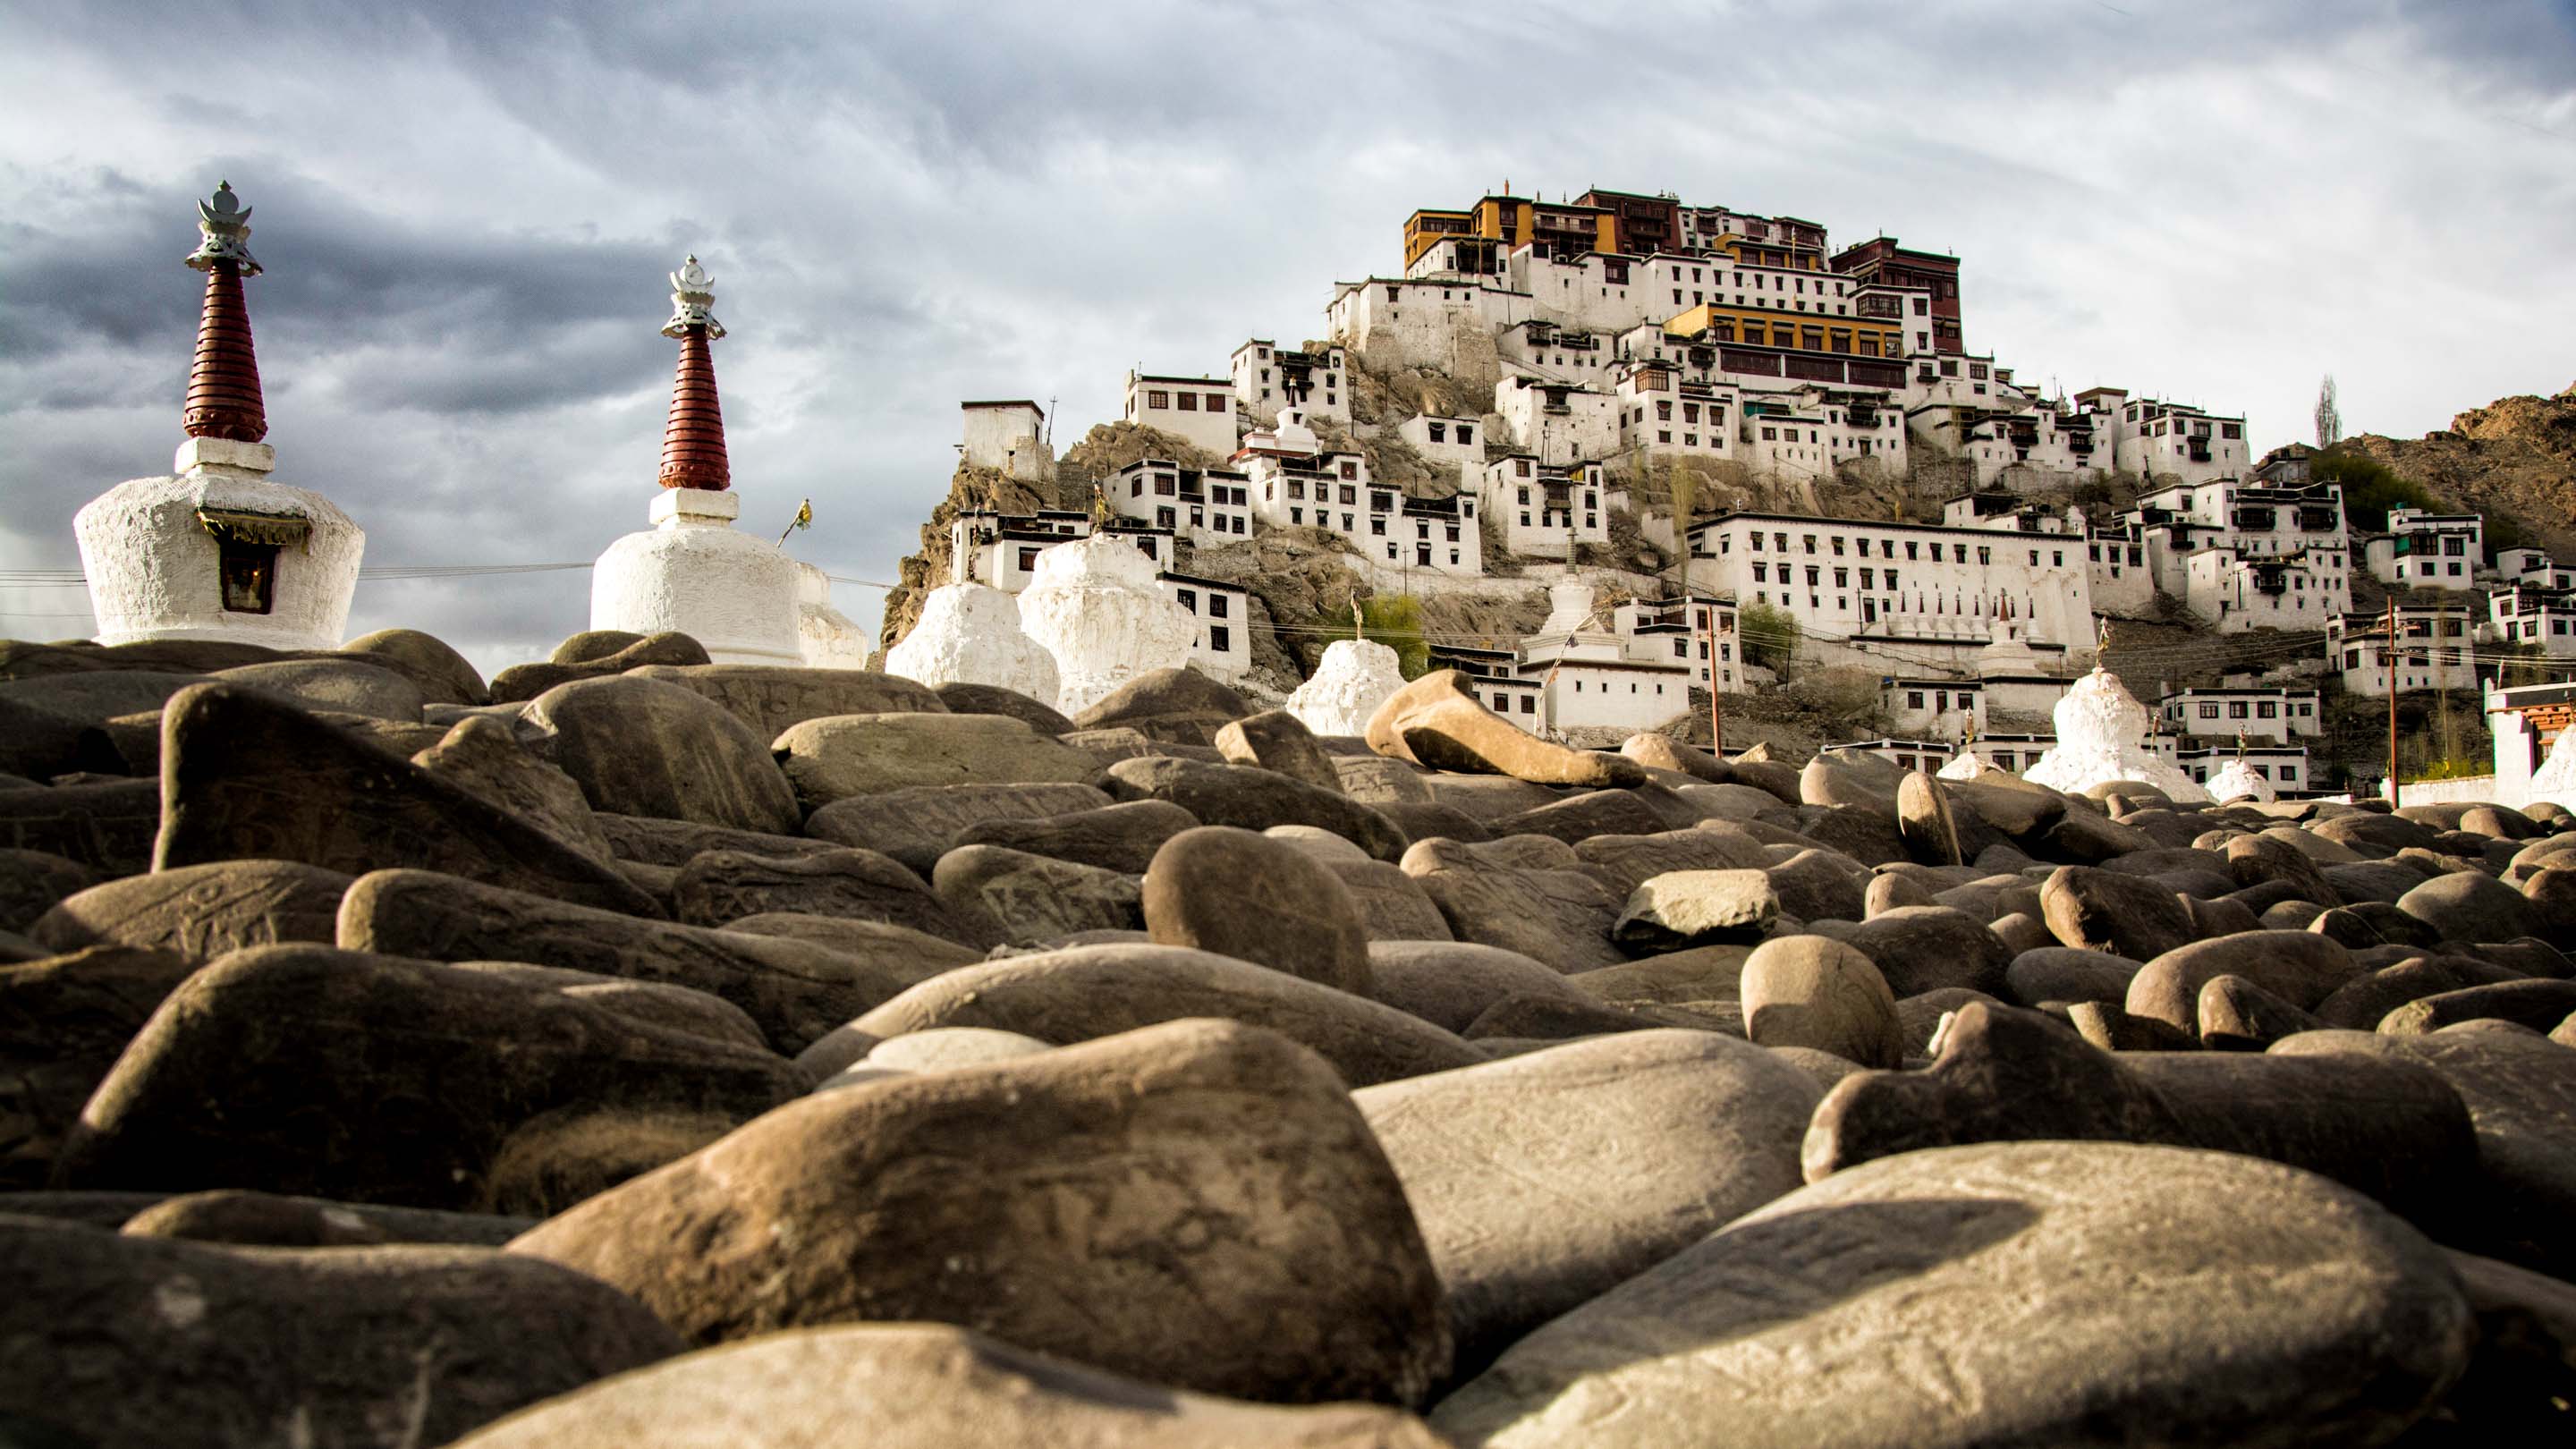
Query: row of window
(1887,549)
(1842,577)
(1159,398)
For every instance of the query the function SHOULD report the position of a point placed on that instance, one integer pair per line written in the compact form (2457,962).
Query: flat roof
(1204,583)
(1010,403)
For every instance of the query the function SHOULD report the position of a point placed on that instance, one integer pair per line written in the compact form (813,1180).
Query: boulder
(594,654)
(1422,822)
(2064,973)
(840,756)
(1487,798)
(1697,908)
(1377,780)
(1816,885)
(1437,721)
(911,954)
(2364,924)
(64,1020)
(2301,967)
(1197,1204)
(32,882)
(770,699)
(119,1340)
(482,757)
(1889,892)
(796,991)
(961,697)
(269,1220)
(1529,1022)
(1451,983)
(644,840)
(1253,800)
(1169,706)
(1561,916)
(442,675)
(1276,740)
(2234,1014)
(1121,837)
(200,911)
(2087,837)
(1545,1180)
(1625,862)
(342,686)
(2471,906)
(1663,752)
(1807,991)
(1033,899)
(2286,1309)
(107,826)
(243,776)
(2254,859)
(1923,816)
(1392,906)
(1580,817)
(719,887)
(1240,894)
(2114,913)
(2539,1005)
(2520,1090)
(1085,992)
(916,825)
(264,1071)
(644,747)
(2021,933)
(1929,948)
(2363,1002)
(955,1387)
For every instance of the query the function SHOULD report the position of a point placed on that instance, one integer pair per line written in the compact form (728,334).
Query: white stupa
(1092,604)
(969,633)
(2101,733)
(213,549)
(1967,765)
(1354,677)
(2236,780)
(692,572)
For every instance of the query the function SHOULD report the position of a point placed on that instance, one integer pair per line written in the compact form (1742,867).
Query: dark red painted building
(1883,260)
(1645,224)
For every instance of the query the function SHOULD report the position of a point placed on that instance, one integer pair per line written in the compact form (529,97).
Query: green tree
(1395,620)
(2370,487)
(1770,636)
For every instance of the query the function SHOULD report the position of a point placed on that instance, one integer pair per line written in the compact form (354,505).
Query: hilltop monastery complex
(1625,338)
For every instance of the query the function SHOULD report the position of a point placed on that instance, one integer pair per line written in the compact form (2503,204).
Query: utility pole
(2392,701)
(1716,702)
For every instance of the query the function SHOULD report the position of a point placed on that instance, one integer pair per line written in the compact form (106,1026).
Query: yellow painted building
(1512,221)
(1806,331)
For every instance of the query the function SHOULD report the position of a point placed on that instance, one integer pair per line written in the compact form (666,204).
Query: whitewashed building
(1808,431)
(1443,322)
(2274,714)
(1009,438)
(2544,617)
(2435,649)
(1453,443)
(1543,507)
(1003,550)
(2426,550)
(2238,592)
(1663,417)
(1591,291)
(1197,410)
(1592,676)
(1221,620)
(1206,506)
(1696,630)
(2153,438)
(1558,422)
(2179,520)
(1856,584)
(1551,352)
(1494,677)
(1933,707)
(1268,377)
(2117,565)
(2523,565)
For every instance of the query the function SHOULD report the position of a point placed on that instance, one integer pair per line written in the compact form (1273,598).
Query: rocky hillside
(2516,457)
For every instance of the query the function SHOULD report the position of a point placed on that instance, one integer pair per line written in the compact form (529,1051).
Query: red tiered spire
(223,383)
(693,440)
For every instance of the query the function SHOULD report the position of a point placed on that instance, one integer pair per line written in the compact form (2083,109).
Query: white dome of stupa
(1093,605)
(970,633)
(2101,734)
(1353,679)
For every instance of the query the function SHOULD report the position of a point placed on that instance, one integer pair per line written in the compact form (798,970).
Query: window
(1216,401)
(1914,699)
(1028,558)
(1529,704)
(2236,709)
(1466,435)
(1440,432)
(1189,402)
(1220,638)
(1158,398)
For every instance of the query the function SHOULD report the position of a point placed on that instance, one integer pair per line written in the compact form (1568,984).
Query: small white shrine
(214,549)
(1094,607)
(693,573)
(2101,737)
(1353,679)
(970,633)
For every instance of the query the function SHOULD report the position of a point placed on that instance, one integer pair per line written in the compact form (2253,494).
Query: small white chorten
(1967,765)
(2100,738)
(969,633)
(2555,780)
(213,549)
(692,573)
(1093,605)
(2236,780)
(1354,677)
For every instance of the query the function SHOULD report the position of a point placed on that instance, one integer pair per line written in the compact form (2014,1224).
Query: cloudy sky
(467,212)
